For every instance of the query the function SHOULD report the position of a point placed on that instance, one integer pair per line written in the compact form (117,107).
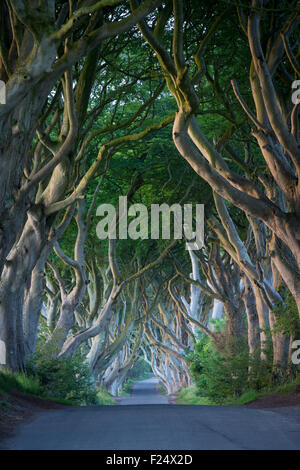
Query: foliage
(126,75)
(250,395)
(218,376)
(139,369)
(5,405)
(221,376)
(287,316)
(10,381)
(190,396)
(246,397)
(232,376)
(69,379)
(65,379)
(104,397)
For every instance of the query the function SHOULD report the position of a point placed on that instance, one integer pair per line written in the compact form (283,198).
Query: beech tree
(102,100)
(274,120)
(42,43)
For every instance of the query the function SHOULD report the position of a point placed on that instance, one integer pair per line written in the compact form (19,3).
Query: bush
(62,379)
(104,397)
(224,376)
(67,379)
(287,316)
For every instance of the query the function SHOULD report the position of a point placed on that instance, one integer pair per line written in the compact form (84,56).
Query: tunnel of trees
(165,102)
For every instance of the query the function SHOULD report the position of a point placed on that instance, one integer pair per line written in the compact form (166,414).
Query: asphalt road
(158,427)
(145,392)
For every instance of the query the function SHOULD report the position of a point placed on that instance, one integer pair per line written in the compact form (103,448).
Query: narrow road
(145,392)
(158,426)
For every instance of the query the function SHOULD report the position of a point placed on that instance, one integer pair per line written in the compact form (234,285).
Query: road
(145,392)
(158,427)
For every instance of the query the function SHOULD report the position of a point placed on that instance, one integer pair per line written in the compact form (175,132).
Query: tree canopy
(164,102)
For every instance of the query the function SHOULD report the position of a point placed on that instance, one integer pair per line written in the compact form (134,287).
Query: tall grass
(19,381)
(191,396)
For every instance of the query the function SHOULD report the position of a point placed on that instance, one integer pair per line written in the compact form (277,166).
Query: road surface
(158,427)
(145,392)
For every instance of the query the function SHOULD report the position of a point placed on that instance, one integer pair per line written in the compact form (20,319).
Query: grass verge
(19,381)
(104,397)
(26,384)
(191,396)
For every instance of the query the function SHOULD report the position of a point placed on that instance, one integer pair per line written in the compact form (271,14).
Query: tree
(275,137)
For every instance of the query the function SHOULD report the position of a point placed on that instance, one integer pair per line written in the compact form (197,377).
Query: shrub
(225,375)
(60,378)
(104,397)
(67,379)
(287,316)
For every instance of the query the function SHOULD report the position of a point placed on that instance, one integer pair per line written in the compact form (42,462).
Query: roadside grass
(251,395)
(104,397)
(191,396)
(62,401)
(289,387)
(30,385)
(26,384)
(246,397)
(19,381)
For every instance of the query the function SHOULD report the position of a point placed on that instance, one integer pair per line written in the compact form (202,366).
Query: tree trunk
(33,302)
(250,306)
(15,277)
